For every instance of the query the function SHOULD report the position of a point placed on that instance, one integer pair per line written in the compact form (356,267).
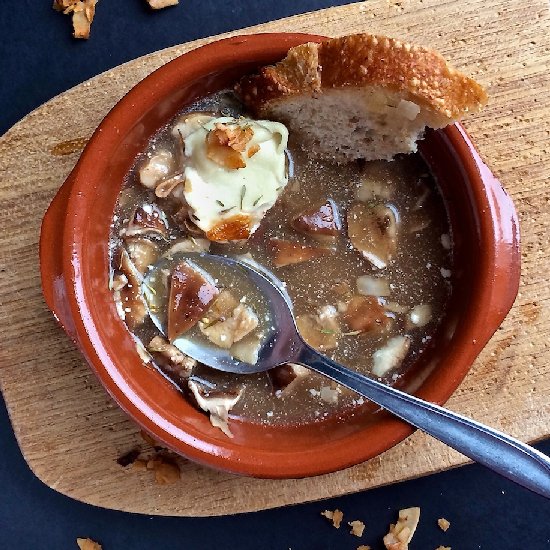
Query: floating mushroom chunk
(419,316)
(320,331)
(188,244)
(373,286)
(221,309)
(366,314)
(142,252)
(190,297)
(373,232)
(391,355)
(285,378)
(402,532)
(373,188)
(247,349)
(167,185)
(170,358)
(147,219)
(156,168)
(224,333)
(321,221)
(418,221)
(189,123)
(288,252)
(217,403)
(129,299)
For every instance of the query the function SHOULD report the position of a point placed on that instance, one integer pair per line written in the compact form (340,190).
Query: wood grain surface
(71,432)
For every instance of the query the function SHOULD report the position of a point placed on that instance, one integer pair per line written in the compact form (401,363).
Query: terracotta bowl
(74,263)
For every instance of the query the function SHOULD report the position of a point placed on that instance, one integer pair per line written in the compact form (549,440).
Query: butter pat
(235,169)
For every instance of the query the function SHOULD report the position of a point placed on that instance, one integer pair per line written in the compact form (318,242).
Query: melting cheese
(217,195)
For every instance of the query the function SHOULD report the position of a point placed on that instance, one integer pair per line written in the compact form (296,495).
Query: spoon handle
(499,452)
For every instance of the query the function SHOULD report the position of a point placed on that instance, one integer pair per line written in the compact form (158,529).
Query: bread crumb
(166,471)
(139,464)
(159,4)
(83,12)
(400,534)
(443,523)
(443,548)
(357,527)
(88,544)
(337,516)
(364,547)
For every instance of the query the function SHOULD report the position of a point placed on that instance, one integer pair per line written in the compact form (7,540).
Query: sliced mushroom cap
(189,123)
(188,244)
(167,185)
(285,378)
(156,168)
(170,358)
(190,297)
(322,220)
(148,219)
(366,314)
(142,252)
(320,331)
(215,402)
(391,355)
(288,252)
(373,232)
(128,298)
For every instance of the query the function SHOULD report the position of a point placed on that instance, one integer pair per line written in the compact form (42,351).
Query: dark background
(39,59)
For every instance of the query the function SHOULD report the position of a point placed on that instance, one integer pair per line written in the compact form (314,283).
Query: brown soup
(364,250)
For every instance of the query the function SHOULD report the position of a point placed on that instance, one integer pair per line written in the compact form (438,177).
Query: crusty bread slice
(361,96)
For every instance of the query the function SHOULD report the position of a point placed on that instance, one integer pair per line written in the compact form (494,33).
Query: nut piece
(83,14)
(159,4)
(402,532)
(444,524)
(88,544)
(337,516)
(357,527)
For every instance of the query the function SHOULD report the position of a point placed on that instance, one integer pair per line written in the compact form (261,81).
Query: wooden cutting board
(71,432)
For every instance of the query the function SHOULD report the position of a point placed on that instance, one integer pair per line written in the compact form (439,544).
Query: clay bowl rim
(226,455)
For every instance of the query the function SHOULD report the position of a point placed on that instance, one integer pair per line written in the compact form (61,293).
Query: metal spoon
(282,344)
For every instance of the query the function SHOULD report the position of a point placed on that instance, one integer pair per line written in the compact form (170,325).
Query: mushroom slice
(225,333)
(373,286)
(364,313)
(170,358)
(221,309)
(129,299)
(189,123)
(373,232)
(215,402)
(373,188)
(285,378)
(419,316)
(320,331)
(189,244)
(190,297)
(402,532)
(391,355)
(156,168)
(147,219)
(167,185)
(322,221)
(288,252)
(247,349)
(142,252)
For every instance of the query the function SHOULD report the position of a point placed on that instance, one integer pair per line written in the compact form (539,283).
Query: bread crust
(421,75)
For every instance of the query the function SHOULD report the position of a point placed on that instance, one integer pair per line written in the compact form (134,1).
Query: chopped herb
(243,193)
(257,200)
(181,139)
(220,203)
(149,288)
(326,331)
(225,210)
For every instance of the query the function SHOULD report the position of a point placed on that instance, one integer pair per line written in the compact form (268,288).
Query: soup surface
(364,251)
